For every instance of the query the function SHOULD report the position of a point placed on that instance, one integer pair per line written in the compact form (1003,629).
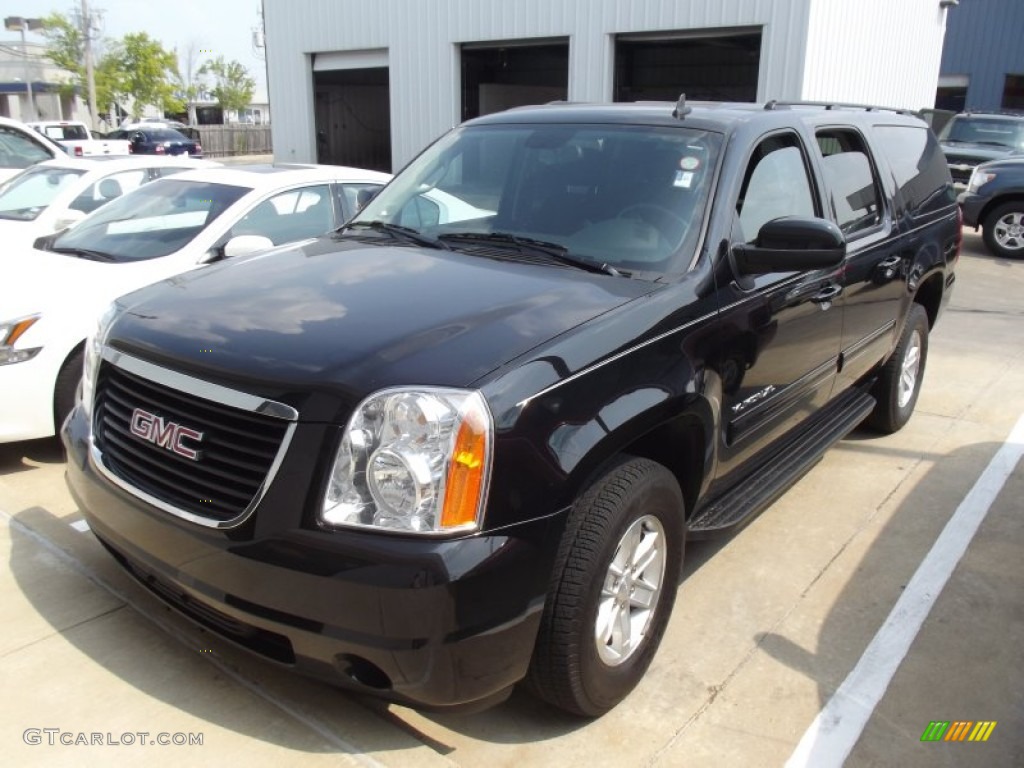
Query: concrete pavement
(767,623)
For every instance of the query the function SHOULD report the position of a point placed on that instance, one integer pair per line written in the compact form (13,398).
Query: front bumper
(26,408)
(972,205)
(431,623)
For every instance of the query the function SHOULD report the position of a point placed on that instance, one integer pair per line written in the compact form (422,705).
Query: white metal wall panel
(422,38)
(883,52)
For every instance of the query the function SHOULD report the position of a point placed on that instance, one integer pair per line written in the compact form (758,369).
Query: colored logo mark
(958,730)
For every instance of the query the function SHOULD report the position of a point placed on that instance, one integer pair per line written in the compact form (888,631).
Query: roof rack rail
(1004,112)
(775,104)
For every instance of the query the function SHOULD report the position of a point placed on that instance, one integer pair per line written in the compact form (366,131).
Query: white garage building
(371,82)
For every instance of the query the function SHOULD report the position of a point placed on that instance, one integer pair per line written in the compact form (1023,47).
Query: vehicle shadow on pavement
(88,621)
(964,663)
(24,456)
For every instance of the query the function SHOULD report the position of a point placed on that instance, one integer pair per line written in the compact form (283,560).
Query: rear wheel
(900,381)
(64,391)
(613,588)
(1003,230)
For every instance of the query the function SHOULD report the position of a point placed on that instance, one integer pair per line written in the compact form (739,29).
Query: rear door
(875,270)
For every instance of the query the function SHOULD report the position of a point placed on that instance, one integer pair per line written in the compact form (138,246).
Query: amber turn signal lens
(466,473)
(17,330)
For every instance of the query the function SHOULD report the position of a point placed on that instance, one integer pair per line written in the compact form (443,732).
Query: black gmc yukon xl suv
(460,442)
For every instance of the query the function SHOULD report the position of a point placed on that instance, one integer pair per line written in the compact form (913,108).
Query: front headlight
(10,332)
(93,354)
(412,460)
(979,178)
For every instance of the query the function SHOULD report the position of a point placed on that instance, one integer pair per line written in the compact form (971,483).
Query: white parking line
(836,729)
(81,526)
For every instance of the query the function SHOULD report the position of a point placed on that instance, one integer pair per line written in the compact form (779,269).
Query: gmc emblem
(166,434)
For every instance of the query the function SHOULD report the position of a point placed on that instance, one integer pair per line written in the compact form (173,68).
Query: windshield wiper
(555,251)
(85,253)
(398,231)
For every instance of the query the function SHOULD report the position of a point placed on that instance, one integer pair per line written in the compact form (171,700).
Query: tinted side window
(288,216)
(109,188)
(776,184)
(851,179)
(919,167)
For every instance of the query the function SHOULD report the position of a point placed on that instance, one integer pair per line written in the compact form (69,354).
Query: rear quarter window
(918,166)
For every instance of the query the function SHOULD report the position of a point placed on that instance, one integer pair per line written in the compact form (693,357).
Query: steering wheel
(669,224)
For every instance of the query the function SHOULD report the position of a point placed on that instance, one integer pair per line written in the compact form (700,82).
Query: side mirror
(69,218)
(240,245)
(791,244)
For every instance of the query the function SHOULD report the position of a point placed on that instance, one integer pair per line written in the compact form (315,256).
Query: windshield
(155,220)
(165,134)
(981,130)
(629,197)
(65,132)
(28,194)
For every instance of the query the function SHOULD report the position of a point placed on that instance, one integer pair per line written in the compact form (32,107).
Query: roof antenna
(681,109)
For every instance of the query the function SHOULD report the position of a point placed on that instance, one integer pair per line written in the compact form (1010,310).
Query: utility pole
(90,74)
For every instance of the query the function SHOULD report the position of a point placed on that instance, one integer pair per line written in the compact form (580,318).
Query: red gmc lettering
(166,434)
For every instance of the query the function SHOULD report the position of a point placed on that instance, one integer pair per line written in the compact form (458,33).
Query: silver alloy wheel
(629,595)
(1008,231)
(909,369)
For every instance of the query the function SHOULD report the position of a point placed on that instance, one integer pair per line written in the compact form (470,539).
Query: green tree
(65,47)
(234,85)
(148,73)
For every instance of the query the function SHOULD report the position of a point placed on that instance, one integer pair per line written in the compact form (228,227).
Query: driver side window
(776,184)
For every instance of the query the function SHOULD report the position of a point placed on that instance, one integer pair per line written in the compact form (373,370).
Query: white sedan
(58,193)
(159,230)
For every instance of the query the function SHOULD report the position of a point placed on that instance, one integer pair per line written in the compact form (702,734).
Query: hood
(350,319)
(961,150)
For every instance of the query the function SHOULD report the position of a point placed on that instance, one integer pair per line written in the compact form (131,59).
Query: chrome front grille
(196,450)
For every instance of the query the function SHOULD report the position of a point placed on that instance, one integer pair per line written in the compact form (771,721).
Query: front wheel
(899,383)
(612,589)
(1003,230)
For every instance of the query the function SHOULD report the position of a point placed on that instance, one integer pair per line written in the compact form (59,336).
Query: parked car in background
(53,292)
(56,194)
(158,141)
(77,140)
(21,147)
(970,138)
(994,201)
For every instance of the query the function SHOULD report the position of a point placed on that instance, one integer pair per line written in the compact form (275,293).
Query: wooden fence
(227,140)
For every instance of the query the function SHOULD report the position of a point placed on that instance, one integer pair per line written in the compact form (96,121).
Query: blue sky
(221,26)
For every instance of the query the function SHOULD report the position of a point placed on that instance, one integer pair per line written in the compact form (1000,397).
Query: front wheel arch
(66,385)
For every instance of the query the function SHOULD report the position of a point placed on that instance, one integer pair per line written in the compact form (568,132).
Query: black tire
(1003,230)
(897,397)
(64,390)
(567,669)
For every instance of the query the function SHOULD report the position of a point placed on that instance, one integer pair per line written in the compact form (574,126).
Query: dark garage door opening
(353,117)
(705,68)
(500,77)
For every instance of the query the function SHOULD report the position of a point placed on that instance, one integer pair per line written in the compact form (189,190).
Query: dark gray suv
(971,138)
(994,201)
